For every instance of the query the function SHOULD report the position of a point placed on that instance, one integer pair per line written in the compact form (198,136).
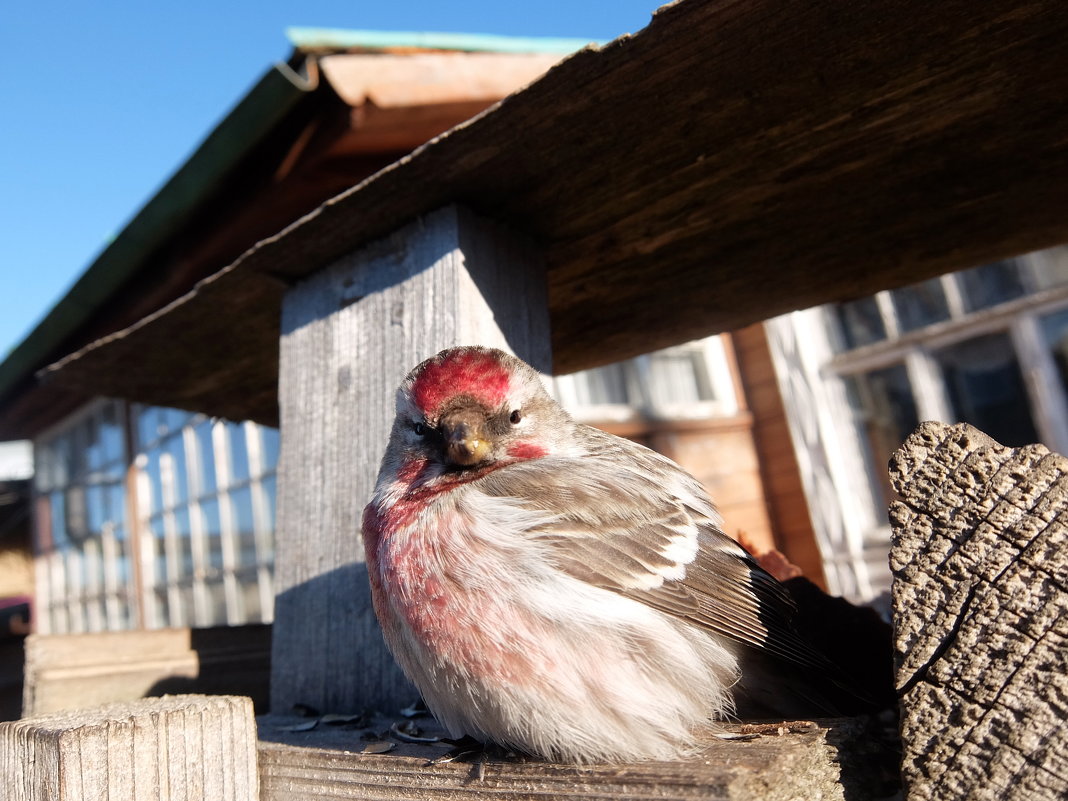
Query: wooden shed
(726,164)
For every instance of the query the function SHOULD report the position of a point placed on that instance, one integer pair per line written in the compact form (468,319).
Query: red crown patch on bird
(468,371)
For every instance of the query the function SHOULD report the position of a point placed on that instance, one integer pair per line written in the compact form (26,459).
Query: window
(206,493)
(977,346)
(81,501)
(686,381)
(987,346)
(171,524)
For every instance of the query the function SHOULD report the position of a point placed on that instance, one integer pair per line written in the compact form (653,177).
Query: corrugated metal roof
(318,39)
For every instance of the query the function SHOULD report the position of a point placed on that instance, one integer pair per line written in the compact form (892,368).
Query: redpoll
(555,589)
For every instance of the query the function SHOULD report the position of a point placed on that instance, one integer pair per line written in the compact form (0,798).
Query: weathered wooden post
(980,561)
(175,748)
(349,334)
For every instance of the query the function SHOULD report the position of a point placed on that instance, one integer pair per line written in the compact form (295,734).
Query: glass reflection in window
(920,304)
(986,388)
(991,284)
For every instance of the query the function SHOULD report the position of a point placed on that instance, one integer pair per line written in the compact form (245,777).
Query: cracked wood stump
(980,616)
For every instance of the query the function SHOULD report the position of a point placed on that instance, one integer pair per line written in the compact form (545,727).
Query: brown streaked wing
(625,518)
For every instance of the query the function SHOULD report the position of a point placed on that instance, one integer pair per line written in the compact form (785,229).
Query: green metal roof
(340,39)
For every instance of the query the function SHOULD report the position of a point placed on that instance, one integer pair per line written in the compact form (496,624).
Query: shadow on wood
(981,616)
(71,671)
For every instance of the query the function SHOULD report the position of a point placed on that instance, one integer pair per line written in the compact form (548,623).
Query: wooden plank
(349,335)
(981,616)
(800,760)
(178,748)
(730,162)
(71,671)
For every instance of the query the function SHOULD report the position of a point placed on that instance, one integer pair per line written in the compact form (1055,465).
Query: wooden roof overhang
(730,162)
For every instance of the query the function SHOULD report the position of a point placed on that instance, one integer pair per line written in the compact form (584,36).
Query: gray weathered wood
(794,761)
(72,671)
(981,616)
(349,335)
(175,748)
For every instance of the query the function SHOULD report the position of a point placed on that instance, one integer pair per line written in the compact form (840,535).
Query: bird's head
(469,407)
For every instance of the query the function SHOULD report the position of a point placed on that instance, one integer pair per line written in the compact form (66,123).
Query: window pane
(149,426)
(884,404)
(920,305)
(678,376)
(986,388)
(238,453)
(178,475)
(205,458)
(271,442)
(1050,270)
(991,284)
(111,434)
(155,483)
(1055,332)
(860,322)
(269,484)
(243,526)
(602,385)
(213,534)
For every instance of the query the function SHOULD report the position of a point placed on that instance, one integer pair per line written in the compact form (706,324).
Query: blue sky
(103,101)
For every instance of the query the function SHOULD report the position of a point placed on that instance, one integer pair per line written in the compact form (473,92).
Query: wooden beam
(981,616)
(829,760)
(178,748)
(71,671)
(349,335)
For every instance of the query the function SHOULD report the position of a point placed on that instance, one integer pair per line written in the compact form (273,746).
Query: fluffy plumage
(551,587)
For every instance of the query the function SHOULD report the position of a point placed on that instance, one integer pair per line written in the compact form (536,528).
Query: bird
(556,590)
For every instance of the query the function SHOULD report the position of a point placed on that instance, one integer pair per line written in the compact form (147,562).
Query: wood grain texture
(350,334)
(981,616)
(797,761)
(176,748)
(730,162)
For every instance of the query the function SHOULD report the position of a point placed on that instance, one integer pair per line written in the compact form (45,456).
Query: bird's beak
(466,443)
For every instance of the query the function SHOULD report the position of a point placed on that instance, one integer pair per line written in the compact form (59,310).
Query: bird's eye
(515,417)
(419,429)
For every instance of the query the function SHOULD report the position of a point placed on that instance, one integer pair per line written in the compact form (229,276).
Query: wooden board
(73,671)
(728,163)
(792,761)
(981,616)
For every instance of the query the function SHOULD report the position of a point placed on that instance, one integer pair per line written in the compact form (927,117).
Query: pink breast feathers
(419,572)
(479,375)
